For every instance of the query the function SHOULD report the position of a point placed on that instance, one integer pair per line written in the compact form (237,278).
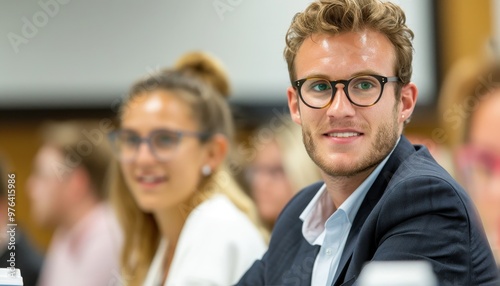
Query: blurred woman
(470,105)
(186,221)
(280,169)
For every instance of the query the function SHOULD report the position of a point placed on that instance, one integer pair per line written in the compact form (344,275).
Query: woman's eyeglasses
(162,143)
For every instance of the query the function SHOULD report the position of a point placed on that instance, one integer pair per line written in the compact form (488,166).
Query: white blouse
(217,244)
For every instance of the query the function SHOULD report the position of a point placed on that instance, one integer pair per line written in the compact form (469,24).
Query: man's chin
(346,169)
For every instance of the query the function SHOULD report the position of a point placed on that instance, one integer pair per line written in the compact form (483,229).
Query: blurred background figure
(67,188)
(281,167)
(27,257)
(470,108)
(186,220)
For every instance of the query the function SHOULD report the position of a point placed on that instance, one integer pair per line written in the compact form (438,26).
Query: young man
(382,198)
(67,188)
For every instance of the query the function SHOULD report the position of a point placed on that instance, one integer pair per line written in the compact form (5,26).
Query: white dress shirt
(217,244)
(329,228)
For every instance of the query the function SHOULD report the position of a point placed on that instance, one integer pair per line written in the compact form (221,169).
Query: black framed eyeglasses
(162,143)
(362,90)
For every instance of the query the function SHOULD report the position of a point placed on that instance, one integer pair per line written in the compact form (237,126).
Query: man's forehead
(351,52)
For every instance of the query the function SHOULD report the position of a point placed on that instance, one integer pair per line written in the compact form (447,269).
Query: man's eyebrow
(358,73)
(318,75)
(365,72)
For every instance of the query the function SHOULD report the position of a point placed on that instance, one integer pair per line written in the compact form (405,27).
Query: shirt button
(328,251)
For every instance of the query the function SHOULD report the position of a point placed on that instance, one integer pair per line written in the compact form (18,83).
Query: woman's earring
(206,170)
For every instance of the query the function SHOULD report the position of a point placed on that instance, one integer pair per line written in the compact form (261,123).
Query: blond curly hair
(338,16)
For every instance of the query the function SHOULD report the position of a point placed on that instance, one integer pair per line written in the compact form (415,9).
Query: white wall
(88,52)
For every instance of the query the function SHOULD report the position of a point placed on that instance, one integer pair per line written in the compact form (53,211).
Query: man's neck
(341,187)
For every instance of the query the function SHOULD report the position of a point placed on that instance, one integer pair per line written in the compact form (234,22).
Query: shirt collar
(321,207)
(315,214)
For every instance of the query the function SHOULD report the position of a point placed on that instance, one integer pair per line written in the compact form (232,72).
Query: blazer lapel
(305,262)
(298,267)
(366,207)
(294,258)
(403,149)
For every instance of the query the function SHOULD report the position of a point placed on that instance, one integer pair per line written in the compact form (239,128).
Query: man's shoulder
(419,178)
(411,172)
(420,165)
(413,161)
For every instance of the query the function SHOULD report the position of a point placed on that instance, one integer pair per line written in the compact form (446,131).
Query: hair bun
(207,68)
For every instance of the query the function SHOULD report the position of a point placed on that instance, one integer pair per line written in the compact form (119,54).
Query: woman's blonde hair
(338,16)
(200,81)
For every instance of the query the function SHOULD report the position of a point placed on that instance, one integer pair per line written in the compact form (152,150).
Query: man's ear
(218,148)
(293,105)
(409,94)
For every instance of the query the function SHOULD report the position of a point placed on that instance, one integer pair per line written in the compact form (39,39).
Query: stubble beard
(386,138)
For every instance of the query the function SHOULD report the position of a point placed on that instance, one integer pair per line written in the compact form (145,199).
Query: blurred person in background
(27,258)
(470,108)
(280,168)
(67,188)
(186,220)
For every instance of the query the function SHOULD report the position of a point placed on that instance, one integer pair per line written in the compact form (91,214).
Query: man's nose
(340,106)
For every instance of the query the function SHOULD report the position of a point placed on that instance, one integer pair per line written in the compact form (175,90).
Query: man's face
(48,193)
(344,139)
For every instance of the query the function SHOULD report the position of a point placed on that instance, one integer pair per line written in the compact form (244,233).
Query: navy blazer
(413,211)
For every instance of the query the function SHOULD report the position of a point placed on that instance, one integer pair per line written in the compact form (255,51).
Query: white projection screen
(86,53)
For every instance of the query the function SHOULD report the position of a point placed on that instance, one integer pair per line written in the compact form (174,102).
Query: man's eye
(321,87)
(364,85)
(318,85)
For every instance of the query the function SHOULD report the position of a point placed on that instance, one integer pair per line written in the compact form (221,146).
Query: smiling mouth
(151,179)
(343,134)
